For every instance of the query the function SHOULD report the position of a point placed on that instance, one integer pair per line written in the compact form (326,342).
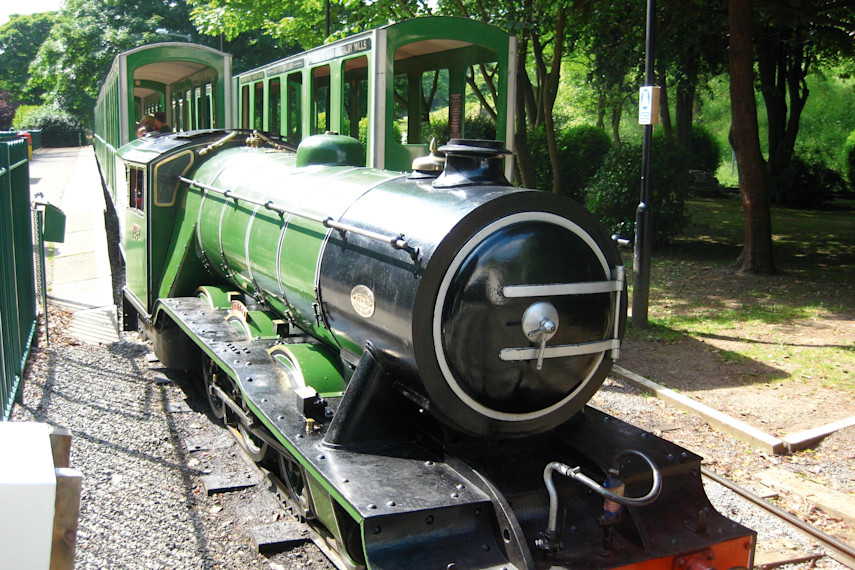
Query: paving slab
(78,272)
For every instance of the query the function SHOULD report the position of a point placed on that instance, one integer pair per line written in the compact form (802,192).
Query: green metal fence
(18,318)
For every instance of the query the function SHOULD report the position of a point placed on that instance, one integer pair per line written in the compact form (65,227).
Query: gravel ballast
(144,504)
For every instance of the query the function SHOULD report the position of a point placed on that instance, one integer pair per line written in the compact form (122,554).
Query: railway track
(837,549)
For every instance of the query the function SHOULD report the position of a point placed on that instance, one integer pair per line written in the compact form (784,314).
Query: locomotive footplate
(475,503)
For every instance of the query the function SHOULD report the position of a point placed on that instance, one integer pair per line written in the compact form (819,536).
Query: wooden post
(68,486)
(60,446)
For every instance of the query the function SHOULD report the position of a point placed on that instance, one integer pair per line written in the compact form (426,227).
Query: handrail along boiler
(410,354)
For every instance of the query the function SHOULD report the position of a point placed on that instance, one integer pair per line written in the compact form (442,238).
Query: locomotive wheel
(291,475)
(210,376)
(254,446)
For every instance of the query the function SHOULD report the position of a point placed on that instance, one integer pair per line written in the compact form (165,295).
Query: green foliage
(807,182)
(477,126)
(20,39)
(59,128)
(302,22)
(7,109)
(850,160)
(24,117)
(706,150)
(87,35)
(581,151)
(613,195)
(363,131)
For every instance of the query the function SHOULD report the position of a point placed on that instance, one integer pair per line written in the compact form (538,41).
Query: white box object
(27,495)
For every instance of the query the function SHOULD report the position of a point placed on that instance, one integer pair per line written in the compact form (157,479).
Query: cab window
(136,188)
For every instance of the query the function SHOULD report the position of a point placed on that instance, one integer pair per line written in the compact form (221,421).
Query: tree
(793,37)
(612,34)
(7,109)
(541,30)
(20,40)
(72,63)
(691,45)
(298,21)
(754,179)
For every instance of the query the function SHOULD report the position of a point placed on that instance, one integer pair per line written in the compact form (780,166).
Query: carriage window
(481,99)
(355,99)
(320,99)
(204,107)
(422,107)
(244,105)
(434,105)
(295,106)
(212,107)
(198,121)
(273,106)
(187,117)
(136,188)
(258,106)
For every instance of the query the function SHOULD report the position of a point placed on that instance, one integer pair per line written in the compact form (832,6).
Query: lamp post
(165,32)
(643,231)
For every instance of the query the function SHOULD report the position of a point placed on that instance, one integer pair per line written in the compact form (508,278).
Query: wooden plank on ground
(766,559)
(228,482)
(803,439)
(720,421)
(283,535)
(834,503)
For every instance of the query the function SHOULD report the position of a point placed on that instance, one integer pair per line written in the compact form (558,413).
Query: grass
(795,321)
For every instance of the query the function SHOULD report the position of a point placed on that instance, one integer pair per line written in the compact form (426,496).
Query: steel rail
(397,242)
(826,540)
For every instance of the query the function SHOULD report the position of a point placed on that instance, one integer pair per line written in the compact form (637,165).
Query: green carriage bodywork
(158,77)
(282,97)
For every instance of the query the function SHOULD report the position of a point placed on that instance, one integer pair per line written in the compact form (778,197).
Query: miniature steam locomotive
(410,354)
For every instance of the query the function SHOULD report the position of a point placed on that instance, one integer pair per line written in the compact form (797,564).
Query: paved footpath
(78,270)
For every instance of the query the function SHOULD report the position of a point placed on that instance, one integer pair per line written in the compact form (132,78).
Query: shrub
(613,195)
(581,151)
(807,183)
(7,109)
(363,132)
(23,114)
(706,150)
(59,128)
(478,126)
(849,149)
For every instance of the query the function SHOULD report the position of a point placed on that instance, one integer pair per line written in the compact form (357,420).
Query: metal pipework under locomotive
(499,310)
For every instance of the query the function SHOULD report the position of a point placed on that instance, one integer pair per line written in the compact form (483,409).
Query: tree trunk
(782,64)
(685,104)
(550,92)
(524,165)
(617,110)
(754,179)
(664,109)
(684,108)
